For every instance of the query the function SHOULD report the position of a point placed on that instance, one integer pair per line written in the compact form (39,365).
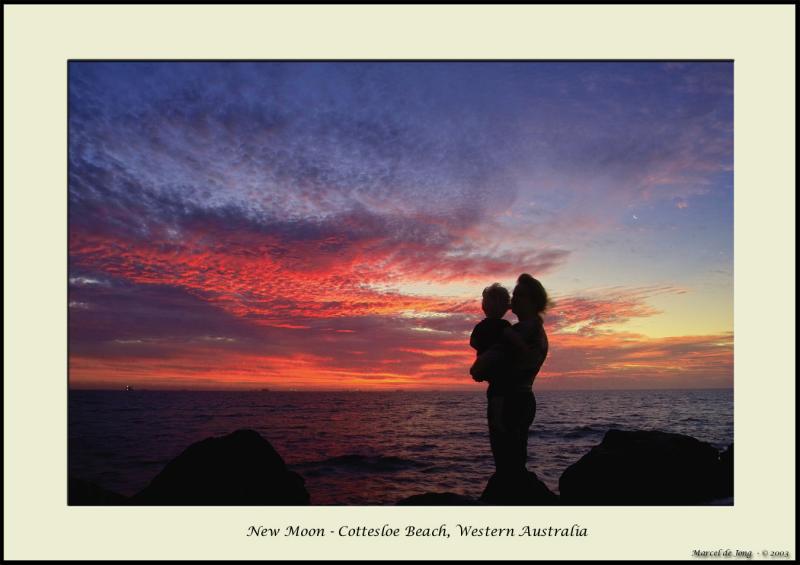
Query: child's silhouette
(489,331)
(493,338)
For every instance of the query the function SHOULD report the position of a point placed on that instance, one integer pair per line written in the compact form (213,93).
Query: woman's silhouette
(511,402)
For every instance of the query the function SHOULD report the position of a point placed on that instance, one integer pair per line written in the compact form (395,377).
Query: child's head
(496,301)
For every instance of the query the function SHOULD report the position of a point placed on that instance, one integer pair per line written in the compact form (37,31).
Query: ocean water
(370,448)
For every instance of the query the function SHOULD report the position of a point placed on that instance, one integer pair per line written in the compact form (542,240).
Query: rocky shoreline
(628,468)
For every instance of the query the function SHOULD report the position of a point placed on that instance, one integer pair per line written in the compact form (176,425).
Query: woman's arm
(524,353)
(519,345)
(518,353)
(490,364)
(530,360)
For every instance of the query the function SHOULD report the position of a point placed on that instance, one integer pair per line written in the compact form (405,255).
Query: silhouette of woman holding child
(509,358)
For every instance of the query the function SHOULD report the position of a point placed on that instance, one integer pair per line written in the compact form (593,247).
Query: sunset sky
(332,225)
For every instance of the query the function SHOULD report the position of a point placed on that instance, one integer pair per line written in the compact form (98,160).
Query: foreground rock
(522,489)
(85,493)
(648,468)
(241,468)
(726,473)
(437,499)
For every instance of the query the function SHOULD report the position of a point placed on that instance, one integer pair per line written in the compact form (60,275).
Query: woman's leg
(498,432)
(518,412)
(526,413)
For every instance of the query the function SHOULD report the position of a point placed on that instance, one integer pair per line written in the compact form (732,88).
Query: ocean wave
(583,431)
(362,463)
(541,432)
(153,463)
(423,447)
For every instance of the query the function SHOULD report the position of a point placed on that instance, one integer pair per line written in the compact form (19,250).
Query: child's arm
(475,337)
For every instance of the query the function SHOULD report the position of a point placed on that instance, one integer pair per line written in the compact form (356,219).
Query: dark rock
(725,485)
(241,468)
(644,468)
(84,493)
(517,489)
(437,499)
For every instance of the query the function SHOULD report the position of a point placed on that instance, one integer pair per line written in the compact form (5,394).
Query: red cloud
(387,352)
(590,312)
(317,319)
(267,280)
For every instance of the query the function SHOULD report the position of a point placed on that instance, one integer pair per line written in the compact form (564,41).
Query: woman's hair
(531,288)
